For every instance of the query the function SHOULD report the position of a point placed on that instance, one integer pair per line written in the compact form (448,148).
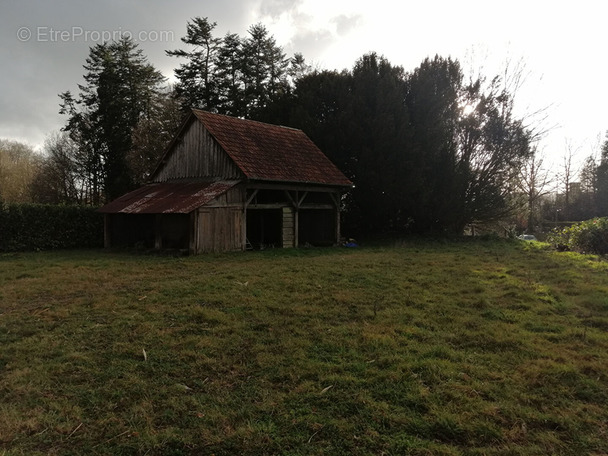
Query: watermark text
(45,34)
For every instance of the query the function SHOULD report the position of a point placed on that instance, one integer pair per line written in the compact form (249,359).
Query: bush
(45,227)
(590,236)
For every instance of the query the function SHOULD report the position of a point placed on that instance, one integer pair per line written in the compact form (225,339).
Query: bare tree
(59,177)
(17,168)
(152,134)
(567,174)
(535,182)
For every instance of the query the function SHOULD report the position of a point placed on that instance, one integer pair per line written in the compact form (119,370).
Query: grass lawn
(425,348)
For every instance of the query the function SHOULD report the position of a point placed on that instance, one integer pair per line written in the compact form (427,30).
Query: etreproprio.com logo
(45,34)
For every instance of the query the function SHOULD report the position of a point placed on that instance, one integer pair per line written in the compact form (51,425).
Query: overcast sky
(563,44)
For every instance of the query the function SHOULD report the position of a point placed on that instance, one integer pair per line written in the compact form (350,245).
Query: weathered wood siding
(233,197)
(288,227)
(197,155)
(219,229)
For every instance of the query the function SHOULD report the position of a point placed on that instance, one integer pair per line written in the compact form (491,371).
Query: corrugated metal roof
(168,198)
(270,152)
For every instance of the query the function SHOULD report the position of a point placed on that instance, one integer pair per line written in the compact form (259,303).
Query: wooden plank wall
(219,229)
(197,155)
(288,227)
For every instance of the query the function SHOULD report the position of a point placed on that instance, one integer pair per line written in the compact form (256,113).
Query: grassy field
(424,348)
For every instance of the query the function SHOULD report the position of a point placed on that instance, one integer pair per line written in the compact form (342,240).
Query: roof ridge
(242,119)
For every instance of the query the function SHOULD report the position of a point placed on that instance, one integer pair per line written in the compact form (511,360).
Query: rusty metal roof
(168,198)
(270,152)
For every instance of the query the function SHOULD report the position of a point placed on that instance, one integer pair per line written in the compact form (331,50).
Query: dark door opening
(131,230)
(264,228)
(317,227)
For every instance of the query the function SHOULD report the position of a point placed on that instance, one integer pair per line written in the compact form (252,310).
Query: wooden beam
(316,206)
(268,206)
(335,197)
(293,201)
(250,199)
(299,187)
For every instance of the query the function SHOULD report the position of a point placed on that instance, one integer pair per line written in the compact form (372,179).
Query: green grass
(480,348)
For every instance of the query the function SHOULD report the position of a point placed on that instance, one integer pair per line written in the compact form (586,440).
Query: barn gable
(195,154)
(231,184)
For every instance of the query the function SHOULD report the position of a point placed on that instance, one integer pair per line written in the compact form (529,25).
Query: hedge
(590,236)
(46,227)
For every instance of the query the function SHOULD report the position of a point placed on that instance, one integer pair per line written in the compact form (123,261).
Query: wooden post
(246,202)
(299,201)
(244,228)
(158,239)
(335,197)
(296,227)
(107,239)
(338,226)
(193,238)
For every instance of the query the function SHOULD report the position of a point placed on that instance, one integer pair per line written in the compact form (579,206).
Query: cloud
(274,9)
(347,23)
(45,44)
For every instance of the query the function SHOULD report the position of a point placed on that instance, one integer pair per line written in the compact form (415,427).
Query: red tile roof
(168,198)
(270,152)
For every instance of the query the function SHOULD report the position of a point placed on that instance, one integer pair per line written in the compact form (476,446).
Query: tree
(602,180)
(588,175)
(58,178)
(534,182)
(264,70)
(120,89)
(197,84)
(230,86)
(425,150)
(432,97)
(234,76)
(566,177)
(18,164)
(152,135)
(298,68)
(586,203)
(359,120)
(380,137)
(469,143)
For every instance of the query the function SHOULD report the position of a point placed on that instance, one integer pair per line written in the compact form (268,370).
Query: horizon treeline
(429,150)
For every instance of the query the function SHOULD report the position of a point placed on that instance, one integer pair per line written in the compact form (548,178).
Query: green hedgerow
(47,227)
(590,236)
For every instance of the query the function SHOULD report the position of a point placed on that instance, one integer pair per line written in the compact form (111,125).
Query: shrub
(45,227)
(590,236)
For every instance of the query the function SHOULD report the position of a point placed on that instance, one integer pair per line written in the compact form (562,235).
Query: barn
(228,184)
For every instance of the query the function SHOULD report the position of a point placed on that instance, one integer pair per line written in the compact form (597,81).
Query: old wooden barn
(231,184)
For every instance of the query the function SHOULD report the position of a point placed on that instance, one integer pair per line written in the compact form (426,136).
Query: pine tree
(602,181)
(229,74)
(197,85)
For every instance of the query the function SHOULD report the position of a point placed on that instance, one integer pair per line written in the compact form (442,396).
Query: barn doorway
(130,230)
(264,228)
(317,227)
